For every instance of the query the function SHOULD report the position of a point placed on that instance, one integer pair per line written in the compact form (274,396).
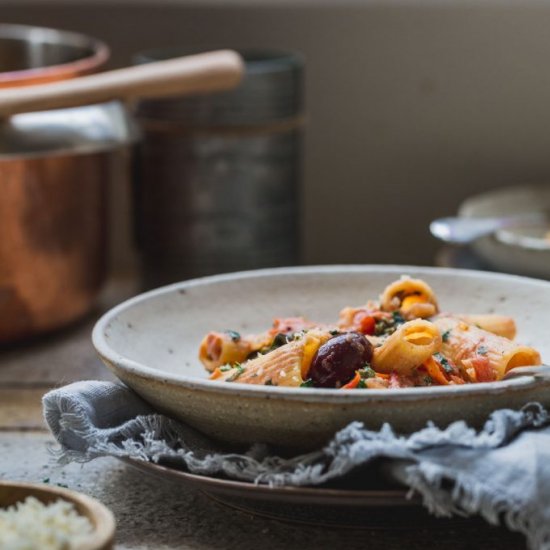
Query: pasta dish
(402,339)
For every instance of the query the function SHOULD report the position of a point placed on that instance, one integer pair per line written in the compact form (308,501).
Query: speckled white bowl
(151,341)
(513,250)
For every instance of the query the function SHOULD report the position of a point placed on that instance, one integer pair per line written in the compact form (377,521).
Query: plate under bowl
(150,342)
(512,251)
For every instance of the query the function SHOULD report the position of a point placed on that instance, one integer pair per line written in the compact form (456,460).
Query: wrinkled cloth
(501,472)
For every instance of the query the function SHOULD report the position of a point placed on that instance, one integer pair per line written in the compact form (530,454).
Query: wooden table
(156,514)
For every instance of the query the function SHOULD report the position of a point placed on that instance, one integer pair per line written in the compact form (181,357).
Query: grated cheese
(31,524)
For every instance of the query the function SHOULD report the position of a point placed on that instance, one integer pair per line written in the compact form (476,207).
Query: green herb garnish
(235,336)
(445,335)
(269,382)
(225,368)
(482,350)
(385,327)
(443,362)
(366,372)
(397,318)
(239,369)
(307,383)
(428,380)
(279,340)
(334,332)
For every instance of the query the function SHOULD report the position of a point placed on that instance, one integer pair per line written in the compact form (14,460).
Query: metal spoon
(541,372)
(466,230)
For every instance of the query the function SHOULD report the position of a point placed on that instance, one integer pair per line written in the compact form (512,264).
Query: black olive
(336,361)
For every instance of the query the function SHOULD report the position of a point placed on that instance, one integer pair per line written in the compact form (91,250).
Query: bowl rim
(99,515)
(115,360)
(466,205)
(507,237)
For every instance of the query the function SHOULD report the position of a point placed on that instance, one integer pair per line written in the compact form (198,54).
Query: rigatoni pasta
(482,355)
(407,348)
(399,340)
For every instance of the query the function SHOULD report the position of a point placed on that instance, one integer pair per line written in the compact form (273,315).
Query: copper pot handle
(194,74)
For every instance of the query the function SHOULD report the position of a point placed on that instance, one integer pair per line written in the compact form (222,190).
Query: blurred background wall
(412,106)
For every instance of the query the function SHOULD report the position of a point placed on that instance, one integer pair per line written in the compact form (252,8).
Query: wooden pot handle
(194,74)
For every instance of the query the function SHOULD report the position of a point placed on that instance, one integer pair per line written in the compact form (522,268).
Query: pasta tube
(500,325)
(482,355)
(407,348)
(220,348)
(413,298)
(285,366)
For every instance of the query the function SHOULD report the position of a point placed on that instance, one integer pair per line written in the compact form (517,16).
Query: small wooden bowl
(101,518)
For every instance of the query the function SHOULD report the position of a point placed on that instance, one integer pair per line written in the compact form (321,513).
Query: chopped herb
(482,350)
(362,384)
(307,383)
(385,327)
(235,336)
(268,382)
(367,372)
(46,480)
(445,335)
(239,369)
(334,332)
(225,368)
(62,485)
(428,380)
(397,318)
(279,340)
(443,362)
(447,367)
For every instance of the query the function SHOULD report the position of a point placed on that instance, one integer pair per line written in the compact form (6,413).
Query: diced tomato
(483,369)
(365,322)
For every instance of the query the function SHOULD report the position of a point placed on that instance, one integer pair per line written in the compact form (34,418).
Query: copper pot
(35,55)
(56,166)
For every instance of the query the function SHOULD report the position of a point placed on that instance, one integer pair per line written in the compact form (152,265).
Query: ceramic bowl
(522,251)
(151,343)
(101,518)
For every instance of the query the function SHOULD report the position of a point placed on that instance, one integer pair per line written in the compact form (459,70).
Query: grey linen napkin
(501,472)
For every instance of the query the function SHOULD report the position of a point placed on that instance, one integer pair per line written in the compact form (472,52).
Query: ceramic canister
(217,182)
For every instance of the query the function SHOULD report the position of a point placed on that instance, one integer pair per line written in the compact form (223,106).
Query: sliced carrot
(216,374)
(434,371)
(353,383)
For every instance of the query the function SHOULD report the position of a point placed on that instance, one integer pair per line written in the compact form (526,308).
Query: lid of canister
(271,90)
